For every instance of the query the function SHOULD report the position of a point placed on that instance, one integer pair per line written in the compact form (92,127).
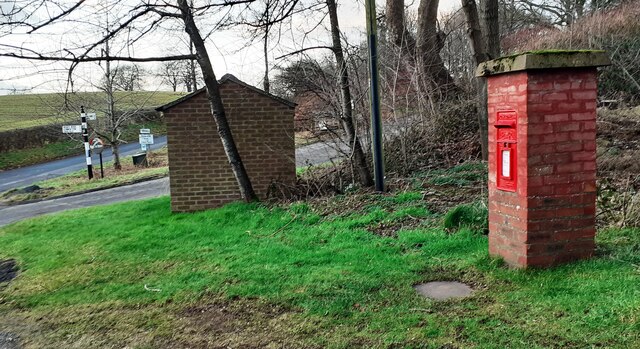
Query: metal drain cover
(444,290)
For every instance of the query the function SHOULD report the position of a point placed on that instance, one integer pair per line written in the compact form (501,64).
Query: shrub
(474,216)
(617,31)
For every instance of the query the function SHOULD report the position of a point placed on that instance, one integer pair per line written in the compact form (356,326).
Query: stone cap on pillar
(545,59)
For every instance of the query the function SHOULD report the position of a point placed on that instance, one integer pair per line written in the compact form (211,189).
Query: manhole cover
(8,270)
(444,290)
(8,341)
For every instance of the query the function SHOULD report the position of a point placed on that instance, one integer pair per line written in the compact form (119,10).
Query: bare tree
(127,77)
(144,17)
(490,24)
(485,46)
(397,27)
(172,73)
(264,19)
(429,43)
(564,12)
(346,118)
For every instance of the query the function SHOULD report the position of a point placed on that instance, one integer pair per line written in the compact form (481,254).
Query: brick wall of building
(550,218)
(200,174)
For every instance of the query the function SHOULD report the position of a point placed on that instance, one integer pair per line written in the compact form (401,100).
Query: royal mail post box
(507,147)
(542,152)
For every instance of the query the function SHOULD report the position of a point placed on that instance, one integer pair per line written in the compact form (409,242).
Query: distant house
(263,129)
(313,113)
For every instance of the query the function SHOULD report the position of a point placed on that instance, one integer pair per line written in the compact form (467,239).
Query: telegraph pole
(376,123)
(85,139)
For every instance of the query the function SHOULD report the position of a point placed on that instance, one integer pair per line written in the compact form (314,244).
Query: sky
(228,50)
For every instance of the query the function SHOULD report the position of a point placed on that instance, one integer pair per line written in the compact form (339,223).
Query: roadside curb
(141,180)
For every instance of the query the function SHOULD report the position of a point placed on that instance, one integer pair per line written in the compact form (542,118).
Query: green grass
(51,151)
(291,277)
(29,110)
(461,175)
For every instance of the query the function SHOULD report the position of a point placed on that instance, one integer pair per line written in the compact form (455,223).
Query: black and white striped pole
(85,139)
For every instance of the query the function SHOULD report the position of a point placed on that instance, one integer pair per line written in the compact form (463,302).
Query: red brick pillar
(542,156)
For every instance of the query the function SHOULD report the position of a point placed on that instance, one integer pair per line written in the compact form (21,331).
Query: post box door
(506,150)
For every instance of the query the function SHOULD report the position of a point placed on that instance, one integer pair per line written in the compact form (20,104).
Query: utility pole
(85,139)
(376,122)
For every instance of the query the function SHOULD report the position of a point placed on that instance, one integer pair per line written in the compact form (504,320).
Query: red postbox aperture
(506,152)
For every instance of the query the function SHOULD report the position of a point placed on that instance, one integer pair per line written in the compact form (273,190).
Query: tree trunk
(428,46)
(192,66)
(491,27)
(265,84)
(115,150)
(217,107)
(111,113)
(478,46)
(358,159)
(398,33)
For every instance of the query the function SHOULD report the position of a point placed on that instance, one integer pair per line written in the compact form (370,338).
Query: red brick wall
(550,219)
(200,175)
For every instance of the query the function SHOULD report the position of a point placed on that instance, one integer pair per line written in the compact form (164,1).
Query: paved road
(25,176)
(158,187)
(312,154)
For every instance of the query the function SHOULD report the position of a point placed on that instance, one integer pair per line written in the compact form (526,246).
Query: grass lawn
(51,151)
(78,182)
(334,273)
(29,110)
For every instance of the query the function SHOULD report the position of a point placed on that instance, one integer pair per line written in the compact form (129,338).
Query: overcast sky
(228,50)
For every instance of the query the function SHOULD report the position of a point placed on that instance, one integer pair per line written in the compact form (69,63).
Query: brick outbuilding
(263,129)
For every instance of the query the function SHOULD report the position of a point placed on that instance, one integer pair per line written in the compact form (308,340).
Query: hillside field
(29,110)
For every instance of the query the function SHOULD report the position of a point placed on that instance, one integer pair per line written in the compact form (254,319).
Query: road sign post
(85,139)
(98,146)
(72,129)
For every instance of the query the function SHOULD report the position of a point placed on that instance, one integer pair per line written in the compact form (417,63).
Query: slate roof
(224,79)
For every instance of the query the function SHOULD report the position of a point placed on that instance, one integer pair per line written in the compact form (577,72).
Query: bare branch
(81,59)
(55,18)
(304,50)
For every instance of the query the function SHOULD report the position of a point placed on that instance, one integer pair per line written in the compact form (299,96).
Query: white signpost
(72,129)
(91,116)
(145,138)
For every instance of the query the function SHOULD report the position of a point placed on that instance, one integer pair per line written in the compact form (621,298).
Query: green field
(23,111)
(331,273)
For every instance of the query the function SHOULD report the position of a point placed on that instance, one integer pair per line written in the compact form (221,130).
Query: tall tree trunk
(266,84)
(358,159)
(491,27)
(480,47)
(192,71)
(398,33)
(111,113)
(217,107)
(428,46)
